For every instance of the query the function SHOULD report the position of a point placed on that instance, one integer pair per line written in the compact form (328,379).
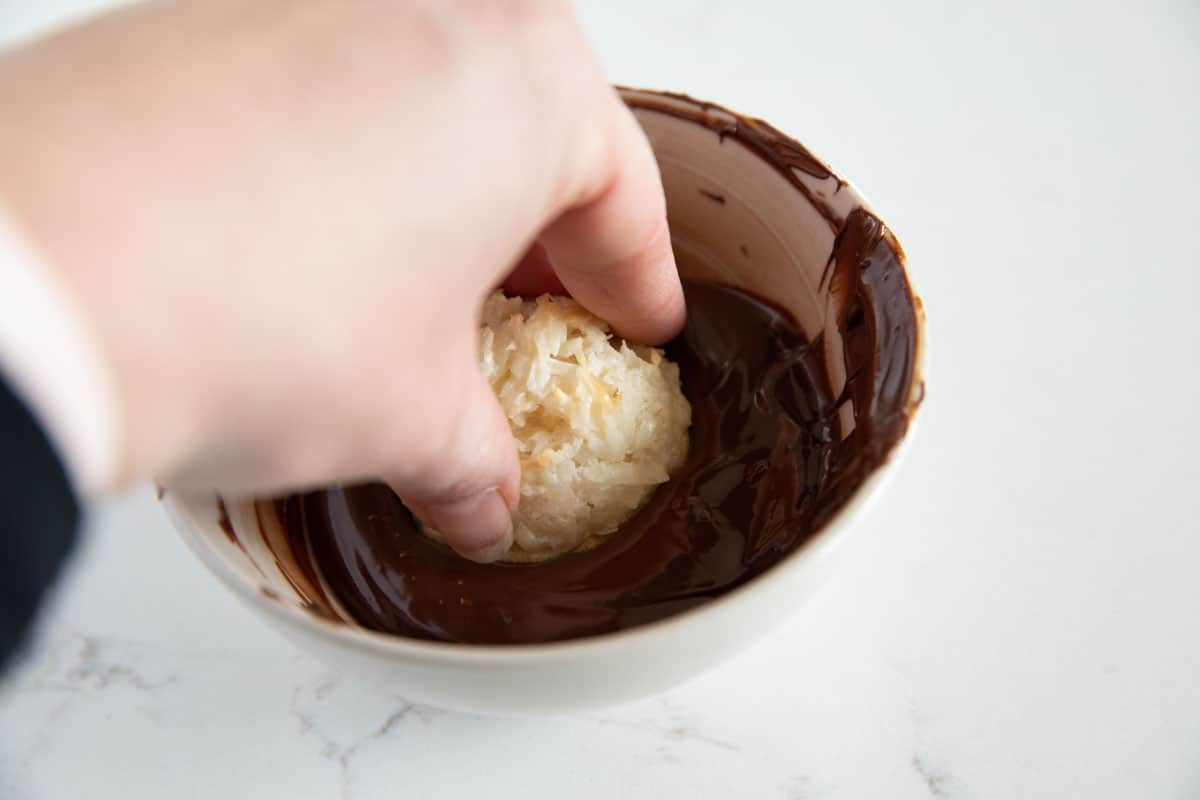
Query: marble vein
(938,782)
(316,705)
(673,725)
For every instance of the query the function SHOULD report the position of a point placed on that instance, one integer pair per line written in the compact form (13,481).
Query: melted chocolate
(769,464)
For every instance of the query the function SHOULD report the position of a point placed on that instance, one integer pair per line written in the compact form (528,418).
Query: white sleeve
(53,362)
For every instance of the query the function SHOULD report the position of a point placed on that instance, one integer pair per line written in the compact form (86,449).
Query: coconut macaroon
(599,423)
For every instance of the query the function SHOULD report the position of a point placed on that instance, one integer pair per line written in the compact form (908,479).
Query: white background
(1017,618)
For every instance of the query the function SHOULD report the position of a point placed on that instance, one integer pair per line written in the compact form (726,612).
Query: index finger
(612,251)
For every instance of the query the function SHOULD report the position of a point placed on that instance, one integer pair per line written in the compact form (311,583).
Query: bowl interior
(747,207)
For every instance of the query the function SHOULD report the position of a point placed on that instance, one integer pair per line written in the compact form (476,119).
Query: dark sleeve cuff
(38,519)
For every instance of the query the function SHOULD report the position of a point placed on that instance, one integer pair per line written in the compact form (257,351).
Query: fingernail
(497,551)
(480,527)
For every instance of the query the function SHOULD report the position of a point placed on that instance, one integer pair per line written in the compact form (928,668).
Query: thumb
(469,485)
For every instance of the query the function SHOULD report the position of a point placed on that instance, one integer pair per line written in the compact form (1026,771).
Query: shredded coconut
(599,422)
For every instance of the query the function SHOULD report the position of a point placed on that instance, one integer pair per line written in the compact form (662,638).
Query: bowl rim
(440,653)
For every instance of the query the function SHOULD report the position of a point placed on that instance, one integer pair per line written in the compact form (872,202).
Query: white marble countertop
(1017,618)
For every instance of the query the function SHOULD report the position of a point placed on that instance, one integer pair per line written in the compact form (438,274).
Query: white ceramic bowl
(728,196)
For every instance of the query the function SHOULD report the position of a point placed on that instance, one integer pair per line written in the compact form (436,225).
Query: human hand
(278,221)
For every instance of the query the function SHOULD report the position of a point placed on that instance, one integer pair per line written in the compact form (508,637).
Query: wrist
(51,359)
